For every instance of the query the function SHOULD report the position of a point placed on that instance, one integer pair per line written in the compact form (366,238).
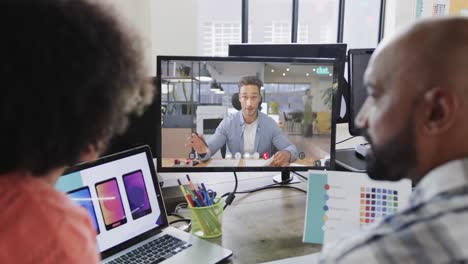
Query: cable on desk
(272,186)
(180,220)
(180,206)
(267,187)
(259,188)
(344,140)
(254,189)
(176,215)
(231,195)
(300,175)
(177,208)
(263,187)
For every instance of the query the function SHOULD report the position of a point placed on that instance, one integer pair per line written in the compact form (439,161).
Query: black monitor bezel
(160,168)
(293,50)
(353,130)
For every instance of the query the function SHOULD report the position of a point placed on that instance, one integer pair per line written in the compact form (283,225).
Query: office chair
(293,124)
(235,101)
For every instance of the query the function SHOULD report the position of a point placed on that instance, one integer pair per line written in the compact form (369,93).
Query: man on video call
(247,131)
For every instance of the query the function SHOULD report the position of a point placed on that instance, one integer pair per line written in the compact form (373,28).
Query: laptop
(122,195)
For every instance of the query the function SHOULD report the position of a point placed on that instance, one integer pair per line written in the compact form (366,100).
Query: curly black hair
(70,73)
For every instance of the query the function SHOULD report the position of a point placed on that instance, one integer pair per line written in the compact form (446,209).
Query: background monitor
(357,64)
(298,94)
(295,50)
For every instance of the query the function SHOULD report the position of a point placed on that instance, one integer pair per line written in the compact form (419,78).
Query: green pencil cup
(207,222)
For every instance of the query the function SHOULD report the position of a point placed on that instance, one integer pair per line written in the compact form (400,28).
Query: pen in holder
(207,221)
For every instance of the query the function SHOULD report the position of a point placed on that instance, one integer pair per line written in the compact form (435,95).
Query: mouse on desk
(362,150)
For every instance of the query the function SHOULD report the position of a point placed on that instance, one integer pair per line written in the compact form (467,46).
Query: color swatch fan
(339,203)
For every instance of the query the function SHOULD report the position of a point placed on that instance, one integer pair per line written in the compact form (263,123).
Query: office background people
(415,118)
(70,74)
(248,131)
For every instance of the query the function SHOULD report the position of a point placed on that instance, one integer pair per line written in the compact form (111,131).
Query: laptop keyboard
(155,251)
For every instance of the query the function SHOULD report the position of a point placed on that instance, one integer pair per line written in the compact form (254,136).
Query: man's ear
(89,154)
(440,110)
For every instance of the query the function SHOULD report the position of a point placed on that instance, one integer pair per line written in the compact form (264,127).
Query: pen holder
(207,221)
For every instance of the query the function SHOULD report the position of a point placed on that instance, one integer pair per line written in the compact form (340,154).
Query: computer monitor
(297,50)
(297,92)
(357,64)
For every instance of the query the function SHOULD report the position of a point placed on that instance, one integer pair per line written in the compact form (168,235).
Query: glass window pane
(318,21)
(361,23)
(400,13)
(219,24)
(270,21)
(200,27)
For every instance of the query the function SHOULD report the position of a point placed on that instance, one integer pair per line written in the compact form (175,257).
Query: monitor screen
(358,60)
(292,112)
(298,50)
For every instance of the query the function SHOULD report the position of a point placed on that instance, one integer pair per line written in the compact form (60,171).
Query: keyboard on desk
(155,251)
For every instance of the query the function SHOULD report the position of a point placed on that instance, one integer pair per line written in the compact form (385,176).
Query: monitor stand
(285,177)
(348,159)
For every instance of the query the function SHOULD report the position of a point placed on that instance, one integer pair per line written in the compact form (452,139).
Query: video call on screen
(296,96)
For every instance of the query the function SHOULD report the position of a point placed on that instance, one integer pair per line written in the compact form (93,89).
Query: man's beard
(253,113)
(395,159)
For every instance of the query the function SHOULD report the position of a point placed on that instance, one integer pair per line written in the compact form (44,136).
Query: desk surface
(265,225)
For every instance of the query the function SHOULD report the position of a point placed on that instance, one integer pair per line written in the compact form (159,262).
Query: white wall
(137,15)
(168,27)
(173,28)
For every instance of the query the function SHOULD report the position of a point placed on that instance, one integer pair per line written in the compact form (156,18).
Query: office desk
(265,225)
(346,158)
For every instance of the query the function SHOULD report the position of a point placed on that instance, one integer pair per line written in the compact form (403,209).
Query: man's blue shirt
(268,137)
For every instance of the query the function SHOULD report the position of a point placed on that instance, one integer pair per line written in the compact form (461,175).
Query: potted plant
(327,95)
(185,71)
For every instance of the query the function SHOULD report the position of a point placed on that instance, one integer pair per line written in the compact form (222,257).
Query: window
(277,32)
(400,13)
(219,24)
(361,23)
(270,21)
(303,34)
(218,35)
(318,21)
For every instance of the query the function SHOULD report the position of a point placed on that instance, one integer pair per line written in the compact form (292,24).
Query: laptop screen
(119,194)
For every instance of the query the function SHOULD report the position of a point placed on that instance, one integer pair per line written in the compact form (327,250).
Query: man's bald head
(415,112)
(430,53)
